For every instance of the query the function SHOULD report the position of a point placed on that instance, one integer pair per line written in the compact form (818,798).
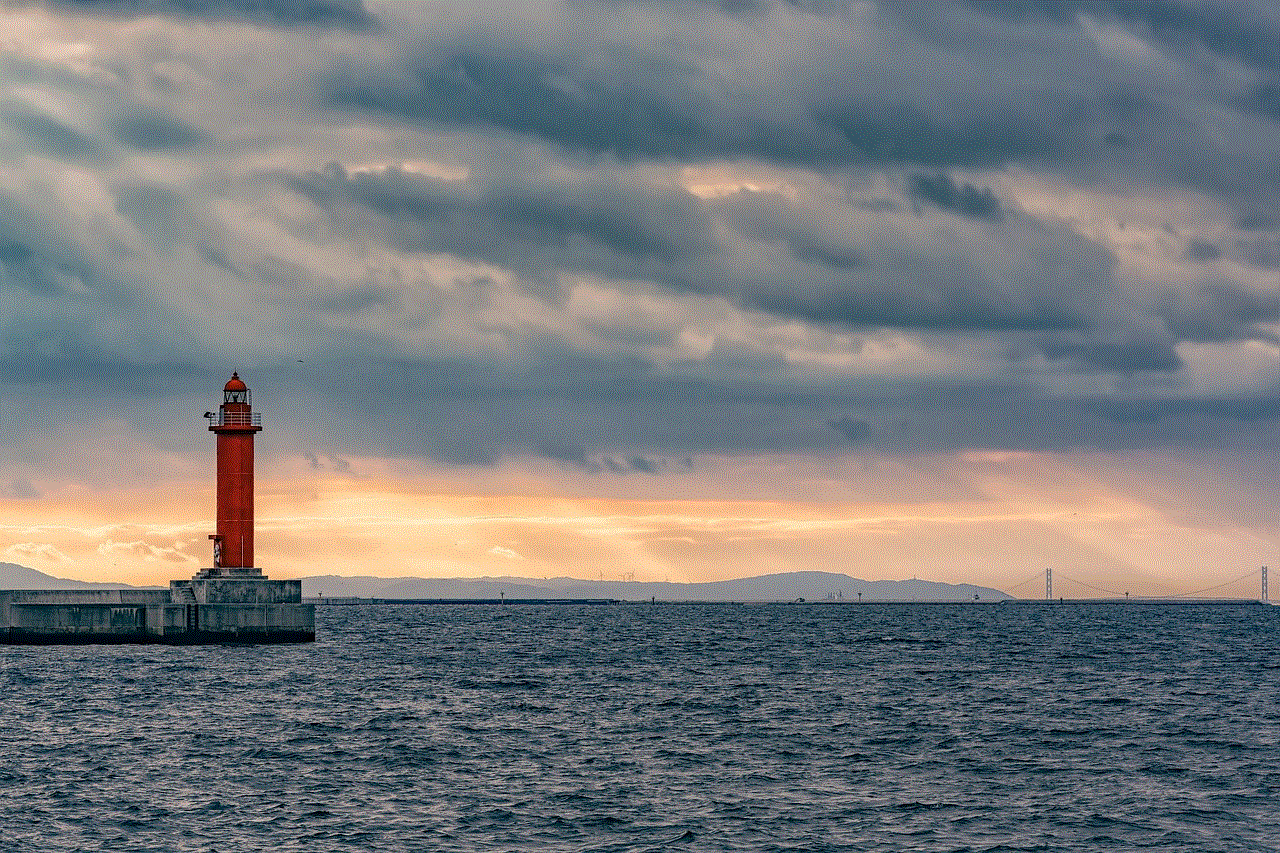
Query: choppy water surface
(642,728)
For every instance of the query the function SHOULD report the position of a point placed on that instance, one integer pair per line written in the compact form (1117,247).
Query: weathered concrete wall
(140,616)
(246,591)
(176,618)
(86,596)
(140,597)
(103,619)
(234,617)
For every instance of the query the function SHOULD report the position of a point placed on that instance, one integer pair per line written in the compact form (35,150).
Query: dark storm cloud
(1265,99)
(1218,310)
(154,210)
(1261,251)
(88,120)
(1187,412)
(665,235)
(49,136)
(69,319)
(966,199)
(769,217)
(1025,85)
(642,464)
(324,13)
(21,489)
(68,351)
(824,254)
(912,157)
(627,220)
(648,106)
(557,449)
(577,455)
(634,101)
(891,281)
(1133,352)
(457,417)
(853,429)
(563,412)
(739,7)
(1057,294)
(1060,298)
(878,132)
(156,132)
(1199,250)
(1240,31)
(632,114)
(39,261)
(594,223)
(1255,221)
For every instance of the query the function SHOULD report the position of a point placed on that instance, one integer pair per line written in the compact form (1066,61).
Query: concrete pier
(215,606)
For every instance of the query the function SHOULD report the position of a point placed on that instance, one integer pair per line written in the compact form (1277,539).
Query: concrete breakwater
(201,610)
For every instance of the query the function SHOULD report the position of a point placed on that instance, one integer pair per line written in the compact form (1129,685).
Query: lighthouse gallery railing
(222,418)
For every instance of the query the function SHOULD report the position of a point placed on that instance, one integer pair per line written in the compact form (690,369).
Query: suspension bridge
(1248,587)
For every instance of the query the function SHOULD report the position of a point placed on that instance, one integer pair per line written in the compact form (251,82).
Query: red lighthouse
(235,424)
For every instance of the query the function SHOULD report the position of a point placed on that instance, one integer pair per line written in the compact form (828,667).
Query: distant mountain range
(789,586)
(13,576)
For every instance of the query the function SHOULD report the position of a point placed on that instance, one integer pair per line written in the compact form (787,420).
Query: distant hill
(789,586)
(13,576)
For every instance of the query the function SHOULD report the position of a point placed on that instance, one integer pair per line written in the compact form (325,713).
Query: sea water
(654,728)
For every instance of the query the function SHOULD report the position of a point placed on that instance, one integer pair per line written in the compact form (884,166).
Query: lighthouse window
(235,396)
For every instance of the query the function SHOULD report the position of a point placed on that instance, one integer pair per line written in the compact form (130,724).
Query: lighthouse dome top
(235,392)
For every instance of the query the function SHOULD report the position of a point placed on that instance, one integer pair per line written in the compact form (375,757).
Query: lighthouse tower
(230,602)
(235,424)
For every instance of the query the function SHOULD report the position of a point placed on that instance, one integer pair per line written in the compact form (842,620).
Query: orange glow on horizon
(391,518)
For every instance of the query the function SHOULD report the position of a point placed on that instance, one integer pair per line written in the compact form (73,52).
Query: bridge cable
(1219,586)
(1090,586)
(1036,576)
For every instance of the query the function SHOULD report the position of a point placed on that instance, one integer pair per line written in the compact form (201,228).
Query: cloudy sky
(662,290)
